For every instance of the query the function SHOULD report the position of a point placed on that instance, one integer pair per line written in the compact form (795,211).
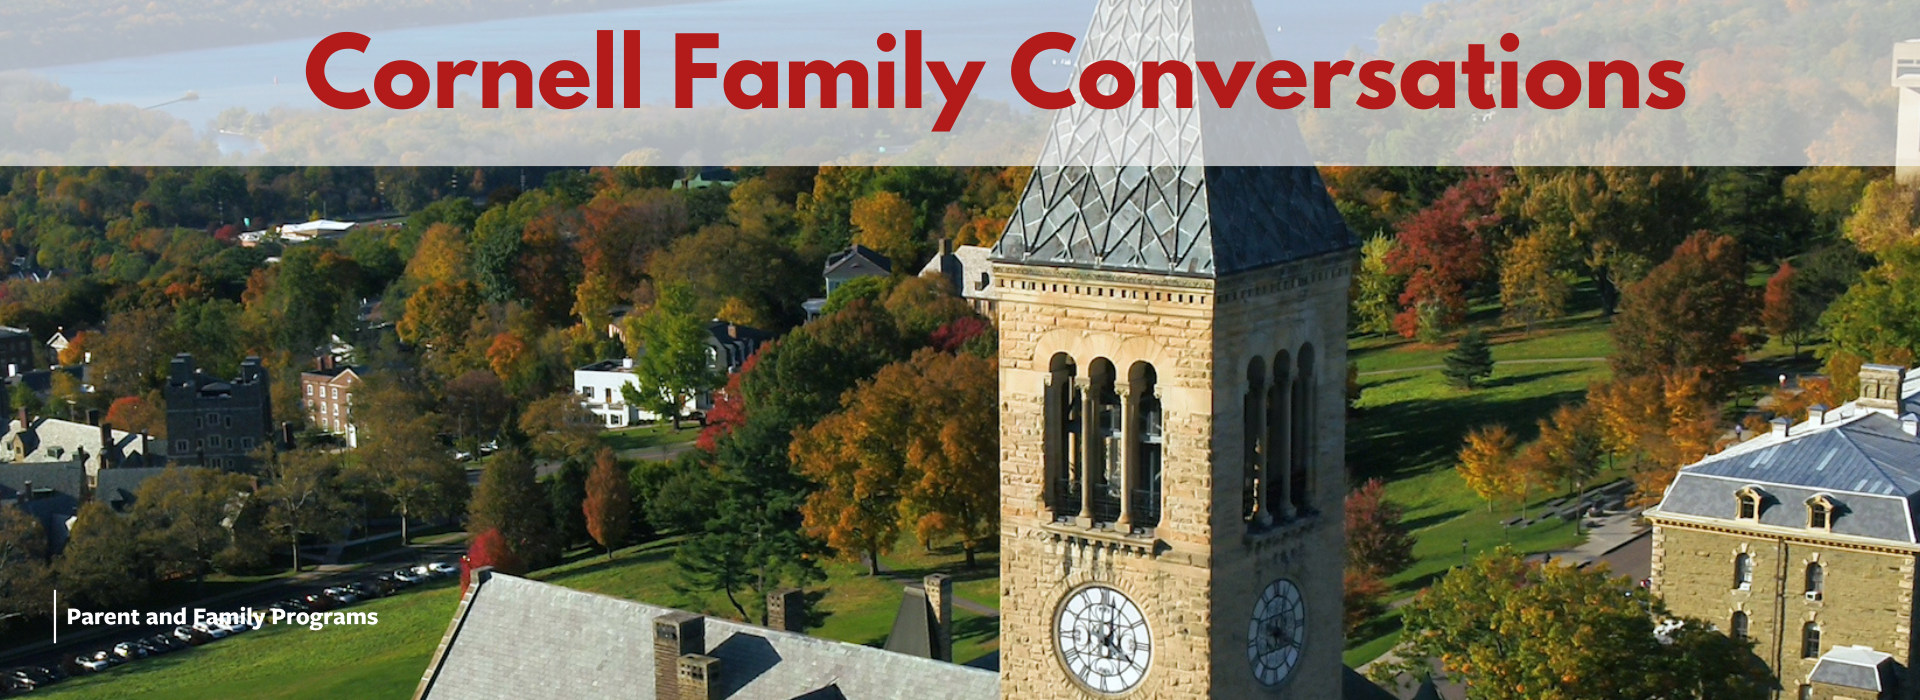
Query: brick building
(1804,540)
(327,394)
(213,422)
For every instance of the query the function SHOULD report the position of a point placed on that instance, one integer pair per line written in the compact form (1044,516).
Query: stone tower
(1906,77)
(1172,379)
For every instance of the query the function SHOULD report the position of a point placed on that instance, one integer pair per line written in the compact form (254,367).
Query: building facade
(601,385)
(1906,78)
(968,271)
(1803,540)
(327,394)
(213,422)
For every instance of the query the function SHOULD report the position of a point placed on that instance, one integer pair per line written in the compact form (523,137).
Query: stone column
(1089,446)
(1262,451)
(1124,523)
(1053,445)
(1282,468)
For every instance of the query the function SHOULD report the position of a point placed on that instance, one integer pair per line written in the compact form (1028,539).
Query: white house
(600,384)
(323,228)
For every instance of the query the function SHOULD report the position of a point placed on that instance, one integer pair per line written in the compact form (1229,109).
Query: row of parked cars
(29,678)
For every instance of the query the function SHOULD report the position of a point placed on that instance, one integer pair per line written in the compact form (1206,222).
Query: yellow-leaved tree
(1488,466)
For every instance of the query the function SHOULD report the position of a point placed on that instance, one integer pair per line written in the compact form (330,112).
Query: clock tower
(1172,381)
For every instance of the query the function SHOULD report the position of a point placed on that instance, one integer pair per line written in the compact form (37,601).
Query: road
(1497,363)
(76,641)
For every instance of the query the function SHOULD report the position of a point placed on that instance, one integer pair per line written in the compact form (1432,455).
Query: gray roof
(518,634)
(1354,686)
(1861,459)
(1182,220)
(48,435)
(858,261)
(116,487)
(68,479)
(913,625)
(968,270)
(1854,667)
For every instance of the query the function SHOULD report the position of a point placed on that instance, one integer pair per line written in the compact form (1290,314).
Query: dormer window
(1750,499)
(1820,513)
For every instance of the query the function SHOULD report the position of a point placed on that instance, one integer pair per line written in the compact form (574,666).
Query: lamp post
(1463,552)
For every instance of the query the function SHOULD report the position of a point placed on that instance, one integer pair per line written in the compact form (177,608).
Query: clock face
(1276,632)
(1103,639)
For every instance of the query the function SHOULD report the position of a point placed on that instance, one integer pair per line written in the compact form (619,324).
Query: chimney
(675,635)
(20,414)
(733,331)
(1880,386)
(286,434)
(699,677)
(946,247)
(787,610)
(13,370)
(26,491)
(940,601)
(93,416)
(1910,424)
(106,443)
(1817,413)
(1780,426)
(626,363)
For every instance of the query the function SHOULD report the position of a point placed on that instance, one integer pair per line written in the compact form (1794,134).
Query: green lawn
(649,436)
(1410,426)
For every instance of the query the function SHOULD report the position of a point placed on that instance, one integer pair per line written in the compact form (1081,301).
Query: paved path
(1497,363)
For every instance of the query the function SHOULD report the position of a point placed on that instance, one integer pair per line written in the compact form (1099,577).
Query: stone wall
(1867,599)
(1198,575)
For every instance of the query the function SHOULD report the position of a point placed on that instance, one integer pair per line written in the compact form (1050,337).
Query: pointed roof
(1169,190)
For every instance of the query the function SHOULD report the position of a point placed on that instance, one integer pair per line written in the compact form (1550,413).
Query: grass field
(385,661)
(1410,426)
(650,436)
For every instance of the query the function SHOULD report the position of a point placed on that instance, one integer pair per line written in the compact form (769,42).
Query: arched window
(1810,641)
(1816,581)
(1739,625)
(1743,571)
(1750,500)
(1279,429)
(1147,436)
(1106,442)
(1062,438)
(1820,513)
(1300,479)
(1252,409)
(1806,692)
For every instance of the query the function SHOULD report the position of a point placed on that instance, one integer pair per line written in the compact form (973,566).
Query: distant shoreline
(71,46)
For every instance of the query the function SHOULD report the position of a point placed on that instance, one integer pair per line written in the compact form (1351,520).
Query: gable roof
(857,261)
(513,633)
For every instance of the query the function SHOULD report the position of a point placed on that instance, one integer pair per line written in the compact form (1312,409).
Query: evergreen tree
(1471,360)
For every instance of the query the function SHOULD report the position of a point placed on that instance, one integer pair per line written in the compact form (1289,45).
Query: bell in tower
(1173,290)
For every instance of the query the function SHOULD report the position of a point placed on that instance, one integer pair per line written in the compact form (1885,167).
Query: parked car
(212,630)
(163,644)
(409,575)
(320,603)
(41,676)
(190,635)
(443,568)
(15,684)
(129,651)
(92,663)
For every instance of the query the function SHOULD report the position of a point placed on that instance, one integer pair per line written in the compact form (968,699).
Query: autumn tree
(401,457)
(560,427)
(671,366)
(509,499)
(1780,310)
(1686,314)
(103,565)
(609,502)
(1378,543)
(1376,289)
(1622,219)
(138,414)
(489,549)
(129,356)
(1535,284)
(1487,466)
(438,315)
(857,458)
(1514,629)
(884,221)
(304,497)
(443,255)
(1877,320)
(1660,423)
(752,270)
(476,405)
(1886,216)
(184,517)
(1470,361)
(76,350)
(25,577)
(1444,250)
(1569,448)
(1363,598)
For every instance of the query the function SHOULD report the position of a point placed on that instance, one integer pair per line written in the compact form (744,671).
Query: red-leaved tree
(1443,250)
(1780,308)
(609,502)
(729,406)
(489,549)
(1377,543)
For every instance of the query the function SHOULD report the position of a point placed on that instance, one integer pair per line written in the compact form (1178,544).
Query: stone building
(968,271)
(1804,540)
(96,447)
(327,394)
(16,350)
(1906,78)
(213,422)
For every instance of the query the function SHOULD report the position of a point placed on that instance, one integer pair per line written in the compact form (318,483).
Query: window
(309,389)
(336,392)
(1806,692)
(1739,625)
(246,444)
(1300,482)
(1147,440)
(1810,641)
(1062,448)
(1819,513)
(1749,503)
(1743,571)
(180,446)
(229,422)
(1816,581)
(1251,411)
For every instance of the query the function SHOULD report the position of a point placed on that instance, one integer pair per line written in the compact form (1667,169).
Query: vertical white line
(56,616)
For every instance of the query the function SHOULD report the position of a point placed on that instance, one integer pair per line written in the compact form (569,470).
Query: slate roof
(1169,190)
(968,270)
(913,625)
(857,261)
(46,435)
(67,479)
(1862,459)
(116,487)
(517,635)
(1855,667)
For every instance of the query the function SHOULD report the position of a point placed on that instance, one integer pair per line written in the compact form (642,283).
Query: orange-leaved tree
(609,502)
(1488,466)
